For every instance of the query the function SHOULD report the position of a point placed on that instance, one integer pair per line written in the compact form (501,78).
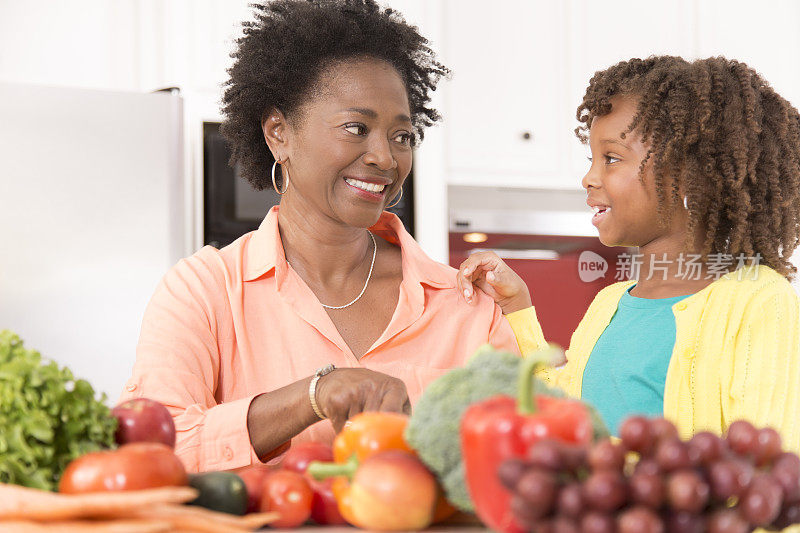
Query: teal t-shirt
(627,369)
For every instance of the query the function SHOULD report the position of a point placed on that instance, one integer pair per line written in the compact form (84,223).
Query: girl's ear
(276,133)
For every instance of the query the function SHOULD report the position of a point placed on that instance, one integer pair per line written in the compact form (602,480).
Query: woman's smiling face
(625,205)
(349,145)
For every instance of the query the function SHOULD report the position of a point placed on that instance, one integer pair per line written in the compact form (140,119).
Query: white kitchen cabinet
(520,71)
(121,45)
(503,104)
(187,43)
(86,43)
(601,34)
(765,38)
(763,35)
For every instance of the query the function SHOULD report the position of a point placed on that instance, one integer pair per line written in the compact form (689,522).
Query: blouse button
(131,387)
(681,306)
(227,453)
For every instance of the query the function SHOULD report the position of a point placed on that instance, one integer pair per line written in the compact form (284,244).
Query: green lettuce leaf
(47,417)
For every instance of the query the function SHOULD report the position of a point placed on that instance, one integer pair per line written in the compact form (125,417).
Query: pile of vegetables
(48,418)
(489,438)
(370,479)
(115,470)
(155,510)
(434,430)
(504,427)
(378,482)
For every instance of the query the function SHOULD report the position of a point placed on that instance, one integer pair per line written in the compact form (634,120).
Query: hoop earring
(396,201)
(286,185)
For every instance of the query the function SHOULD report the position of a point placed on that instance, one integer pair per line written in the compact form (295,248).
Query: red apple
(253,477)
(144,420)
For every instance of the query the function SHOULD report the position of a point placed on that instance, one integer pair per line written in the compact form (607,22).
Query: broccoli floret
(433,430)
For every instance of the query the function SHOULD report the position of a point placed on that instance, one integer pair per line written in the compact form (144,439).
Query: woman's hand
(345,392)
(490,274)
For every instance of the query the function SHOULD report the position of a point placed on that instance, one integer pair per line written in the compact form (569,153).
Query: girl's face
(349,151)
(625,208)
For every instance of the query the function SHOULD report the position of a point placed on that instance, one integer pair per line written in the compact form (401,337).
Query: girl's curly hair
(720,134)
(287,47)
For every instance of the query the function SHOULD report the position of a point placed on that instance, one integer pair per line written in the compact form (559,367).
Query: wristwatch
(312,388)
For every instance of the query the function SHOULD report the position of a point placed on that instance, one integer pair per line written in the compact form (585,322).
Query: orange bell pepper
(370,433)
(366,434)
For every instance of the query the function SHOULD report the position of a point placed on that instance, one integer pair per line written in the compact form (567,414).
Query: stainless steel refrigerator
(91,216)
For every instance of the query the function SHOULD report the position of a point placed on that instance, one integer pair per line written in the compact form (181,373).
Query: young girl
(697,164)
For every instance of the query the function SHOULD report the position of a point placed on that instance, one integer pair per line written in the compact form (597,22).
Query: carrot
(25,510)
(197,524)
(87,526)
(200,519)
(31,504)
(259,520)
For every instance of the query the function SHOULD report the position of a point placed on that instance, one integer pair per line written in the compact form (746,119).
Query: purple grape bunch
(651,481)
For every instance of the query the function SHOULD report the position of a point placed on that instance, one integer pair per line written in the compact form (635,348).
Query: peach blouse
(226,325)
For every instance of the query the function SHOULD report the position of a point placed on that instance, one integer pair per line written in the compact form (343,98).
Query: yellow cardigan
(736,355)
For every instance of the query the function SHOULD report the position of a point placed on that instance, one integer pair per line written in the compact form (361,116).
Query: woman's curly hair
(286,48)
(717,131)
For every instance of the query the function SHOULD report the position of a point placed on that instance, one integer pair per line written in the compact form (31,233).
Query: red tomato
(253,477)
(143,420)
(140,465)
(300,455)
(324,509)
(289,494)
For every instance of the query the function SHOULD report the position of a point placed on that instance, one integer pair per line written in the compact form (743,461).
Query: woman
(324,102)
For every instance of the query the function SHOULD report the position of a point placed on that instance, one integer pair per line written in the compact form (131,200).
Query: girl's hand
(486,271)
(345,392)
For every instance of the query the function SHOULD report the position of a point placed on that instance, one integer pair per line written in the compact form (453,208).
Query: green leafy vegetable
(433,430)
(47,417)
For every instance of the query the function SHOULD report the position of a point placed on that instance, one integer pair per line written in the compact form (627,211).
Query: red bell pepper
(500,428)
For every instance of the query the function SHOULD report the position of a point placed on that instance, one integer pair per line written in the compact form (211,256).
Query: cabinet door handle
(527,136)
